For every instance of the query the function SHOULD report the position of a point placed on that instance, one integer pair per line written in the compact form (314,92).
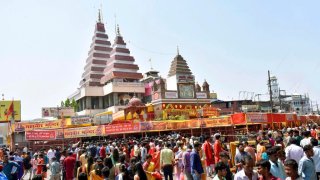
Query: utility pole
(301,103)
(270,90)
(317,107)
(280,99)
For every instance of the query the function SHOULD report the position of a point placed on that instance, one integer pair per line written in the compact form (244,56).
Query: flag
(9,111)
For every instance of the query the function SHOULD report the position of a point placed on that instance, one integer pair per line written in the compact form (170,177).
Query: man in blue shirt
(306,165)
(195,161)
(277,169)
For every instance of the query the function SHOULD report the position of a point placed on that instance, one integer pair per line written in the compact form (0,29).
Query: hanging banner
(276,118)
(83,132)
(40,135)
(121,128)
(41,125)
(257,118)
(238,118)
(291,117)
(9,110)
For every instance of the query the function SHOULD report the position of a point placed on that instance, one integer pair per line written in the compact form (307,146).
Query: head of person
(37,177)
(5,158)
(273,154)
(221,169)
(240,147)
(105,172)
(54,158)
(296,132)
(245,143)
(82,176)
(306,134)
(279,140)
(314,142)
(217,136)
(292,141)
(308,150)
(248,164)
(196,146)
(263,167)
(224,157)
(291,168)
(139,171)
(149,158)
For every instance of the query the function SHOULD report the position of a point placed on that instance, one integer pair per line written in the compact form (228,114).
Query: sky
(231,44)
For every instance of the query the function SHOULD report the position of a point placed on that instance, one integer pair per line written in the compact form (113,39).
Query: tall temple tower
(111,78)
(98,56)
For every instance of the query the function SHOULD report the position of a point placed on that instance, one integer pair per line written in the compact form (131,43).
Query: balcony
(128,87)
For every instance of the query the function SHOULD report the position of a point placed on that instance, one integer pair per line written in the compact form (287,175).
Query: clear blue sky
(232,44)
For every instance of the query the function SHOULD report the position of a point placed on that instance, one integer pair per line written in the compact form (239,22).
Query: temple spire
(100,16)
(178,50)
(118,30)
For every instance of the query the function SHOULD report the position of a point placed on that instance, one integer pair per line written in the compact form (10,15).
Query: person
(148,167)
(83,157)
(217,149)
(41,166)
(105,173)
(139,174)
(166,161)
(178,160)
(2,175)
(50,155)
(247,171)
(186,162)
(68,165)
(263,167)
(37,177)
(313,131)
(123,175)
(316,156)
(240,156)
(306,165)
(103,151)
(10,168)
(224,158)
(55,169)
(277,168)
(195,162)
(96,174)
(296,135)
(27,166)
(250,150)
(82,176)
(208,152)
(291,169)
(293,151)
(306,139)
(221,172)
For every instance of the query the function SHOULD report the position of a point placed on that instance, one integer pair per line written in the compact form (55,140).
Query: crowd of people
(287,154)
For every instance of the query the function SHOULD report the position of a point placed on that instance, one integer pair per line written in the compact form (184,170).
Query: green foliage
(74,104)
(62,104)
(67,103)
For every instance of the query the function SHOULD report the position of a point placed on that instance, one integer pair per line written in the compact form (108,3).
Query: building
(110,77)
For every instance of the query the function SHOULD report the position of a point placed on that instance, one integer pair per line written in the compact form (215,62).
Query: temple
(111,82)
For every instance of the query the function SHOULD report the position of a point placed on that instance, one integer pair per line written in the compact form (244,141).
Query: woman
(148,167)
(41,167)
(34,164)
(108,163)
(89,166)
(123,175)
(96,174)
(140,174)
(77,169)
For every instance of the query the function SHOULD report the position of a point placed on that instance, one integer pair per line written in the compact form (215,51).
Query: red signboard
(239,118)
(40,135)
(121,128)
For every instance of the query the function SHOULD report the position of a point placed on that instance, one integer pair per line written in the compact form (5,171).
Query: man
(224,158)
(316,156)
(240,156)
(166,161)
(27,165)
(221,172)
(250,150)
(208,151)
(289,136)
(306,139)
(186,163)
(247,172)
(293,151)
(144,152)
(55,169)
(277,168)
(291,169)
(195,161)
(68,165)
(10,168)
(50,155)
(178,160)
(296,135)
(306,165)
(217,148)
(103,152)
(263,167)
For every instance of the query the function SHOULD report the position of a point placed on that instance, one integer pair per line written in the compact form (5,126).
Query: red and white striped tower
(121,64)
(97,56)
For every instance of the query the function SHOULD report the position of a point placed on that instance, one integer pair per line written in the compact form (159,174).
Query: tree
(62,104)
(67,103)
(74,104)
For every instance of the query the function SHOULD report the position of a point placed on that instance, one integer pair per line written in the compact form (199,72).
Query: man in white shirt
(316,156)
(293,151)
(50,155)
(306,139)
(247,172)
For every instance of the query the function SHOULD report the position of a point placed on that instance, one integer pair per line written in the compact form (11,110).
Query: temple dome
(134,102)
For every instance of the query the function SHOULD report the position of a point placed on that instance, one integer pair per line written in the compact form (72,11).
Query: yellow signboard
(10,110)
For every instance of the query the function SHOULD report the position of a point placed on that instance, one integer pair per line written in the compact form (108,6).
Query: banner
(276,118)
(238,118)
(81,120)
(145,126)
(41,125)
(83,132)
(121,128)
(54,111)
(291,117)
(257,118)
(210,111)
(5,109)
(40,135)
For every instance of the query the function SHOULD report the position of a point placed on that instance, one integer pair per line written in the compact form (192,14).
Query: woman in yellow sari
(96,173)
(149,167)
